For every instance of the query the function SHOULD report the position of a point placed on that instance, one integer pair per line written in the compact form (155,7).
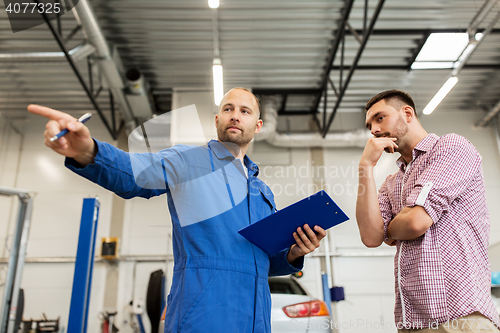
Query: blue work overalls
(220,278)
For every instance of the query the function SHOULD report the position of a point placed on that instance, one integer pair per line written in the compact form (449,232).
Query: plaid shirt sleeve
(451,168)
(385,207)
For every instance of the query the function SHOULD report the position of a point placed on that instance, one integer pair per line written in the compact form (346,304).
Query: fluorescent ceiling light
(432,64)
(443,47)
(218,81)
(213,3)
(478,36)
(441,94)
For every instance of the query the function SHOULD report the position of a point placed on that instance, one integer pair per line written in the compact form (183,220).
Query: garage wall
(10,150)
(366,274)
(55,224)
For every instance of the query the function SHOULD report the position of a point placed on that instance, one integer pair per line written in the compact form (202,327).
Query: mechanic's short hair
(255,97)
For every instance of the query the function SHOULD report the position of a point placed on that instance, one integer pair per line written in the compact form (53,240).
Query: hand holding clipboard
(275,232)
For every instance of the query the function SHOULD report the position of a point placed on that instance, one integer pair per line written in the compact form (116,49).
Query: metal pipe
(110,73)
(471,47)
(97,259)
(479,17)
(16,258)
(360,254)
(215,32)
(23,244)
(170,257)
(355,63)
(350,139)
(11,274)
(355,138)
(78,53)
(78,75)
(328,261)
(135,82)
(12,191)
(269,117)
(92,29)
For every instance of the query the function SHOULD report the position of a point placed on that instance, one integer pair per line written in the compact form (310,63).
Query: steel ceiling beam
(405,67)
(417,50)
(480,16)
(331,58)
(489,116)
(285,91)
(344,85)
(410,32)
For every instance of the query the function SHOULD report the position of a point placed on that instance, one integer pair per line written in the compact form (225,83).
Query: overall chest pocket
(261,201)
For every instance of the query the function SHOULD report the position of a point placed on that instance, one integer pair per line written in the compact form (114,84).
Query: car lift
(84,264)
(82,280)
(16,260)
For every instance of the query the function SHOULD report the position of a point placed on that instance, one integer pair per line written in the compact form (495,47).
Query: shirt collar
(422,147)
(221,152)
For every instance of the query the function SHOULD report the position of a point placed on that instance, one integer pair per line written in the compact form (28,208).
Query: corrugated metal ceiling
(264,44)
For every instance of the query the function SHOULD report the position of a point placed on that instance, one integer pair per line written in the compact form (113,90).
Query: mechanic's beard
(240,139)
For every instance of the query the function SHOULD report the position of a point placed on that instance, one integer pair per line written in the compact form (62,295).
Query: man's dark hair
(394,97)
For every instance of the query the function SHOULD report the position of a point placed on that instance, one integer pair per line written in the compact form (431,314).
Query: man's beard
(238,137)
(399,132)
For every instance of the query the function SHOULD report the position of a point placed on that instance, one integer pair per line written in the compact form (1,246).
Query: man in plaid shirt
(434,211)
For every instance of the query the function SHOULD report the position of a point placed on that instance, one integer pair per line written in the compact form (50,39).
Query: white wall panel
(368,281)
(55,225)
(311,280)
(147,227)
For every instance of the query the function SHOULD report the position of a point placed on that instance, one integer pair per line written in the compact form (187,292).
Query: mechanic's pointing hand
(77,144)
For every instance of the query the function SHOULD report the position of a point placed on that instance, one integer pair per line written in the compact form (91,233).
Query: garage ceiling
(265,45)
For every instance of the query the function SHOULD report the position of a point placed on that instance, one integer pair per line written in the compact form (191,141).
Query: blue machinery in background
(326,293)
(82,281)
(334,294)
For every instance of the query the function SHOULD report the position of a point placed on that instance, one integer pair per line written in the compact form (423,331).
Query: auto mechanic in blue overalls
(220,278)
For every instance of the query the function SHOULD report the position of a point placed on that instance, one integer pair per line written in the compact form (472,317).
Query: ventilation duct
(110,66)
(78,53)
(348,139)
(138,94)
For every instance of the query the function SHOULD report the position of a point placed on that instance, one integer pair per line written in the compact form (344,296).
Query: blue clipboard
(275,232)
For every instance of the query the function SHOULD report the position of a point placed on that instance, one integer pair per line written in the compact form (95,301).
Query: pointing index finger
(49,113)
